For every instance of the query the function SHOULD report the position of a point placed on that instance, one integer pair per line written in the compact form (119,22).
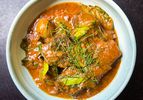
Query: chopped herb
(35,64)
(47,25)
(49,82)
(101,33)
(61,28)
(94,79)
(40,47)
(91,35)
(54,70)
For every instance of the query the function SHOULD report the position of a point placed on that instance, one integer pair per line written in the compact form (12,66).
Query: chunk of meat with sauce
(69,71)
(85,19)
(108,54)
(50,55)
(108,50)
(100,15)
(63,63)
(44,27)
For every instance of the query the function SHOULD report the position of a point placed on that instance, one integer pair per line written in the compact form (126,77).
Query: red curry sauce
(72,50)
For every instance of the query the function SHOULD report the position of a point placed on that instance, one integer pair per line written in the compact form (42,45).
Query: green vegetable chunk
(44,70)
(72,80)
(81,31)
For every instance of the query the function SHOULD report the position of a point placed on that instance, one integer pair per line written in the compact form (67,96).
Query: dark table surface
(132,8)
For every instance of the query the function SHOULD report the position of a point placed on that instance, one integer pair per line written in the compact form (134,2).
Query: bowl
(25,17)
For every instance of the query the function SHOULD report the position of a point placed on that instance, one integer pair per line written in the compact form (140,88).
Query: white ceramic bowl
(15,54)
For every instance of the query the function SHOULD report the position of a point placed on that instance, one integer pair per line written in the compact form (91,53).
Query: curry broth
(104,82)
(67,11)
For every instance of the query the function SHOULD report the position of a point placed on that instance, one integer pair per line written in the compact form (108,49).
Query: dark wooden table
(132,8)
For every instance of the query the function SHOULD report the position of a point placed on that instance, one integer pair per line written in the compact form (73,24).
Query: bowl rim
(26,6)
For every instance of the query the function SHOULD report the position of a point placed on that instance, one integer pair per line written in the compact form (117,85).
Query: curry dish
(72,50)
